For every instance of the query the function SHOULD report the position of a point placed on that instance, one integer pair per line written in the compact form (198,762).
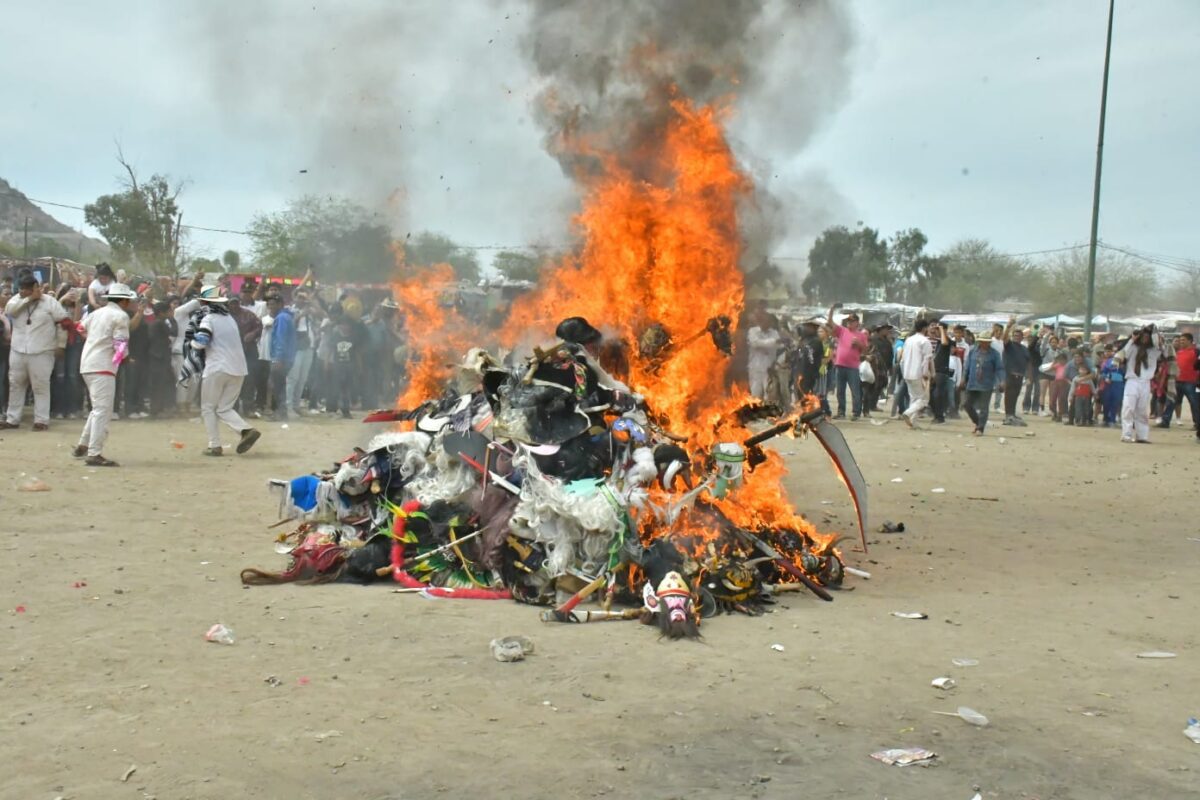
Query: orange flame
(660,250)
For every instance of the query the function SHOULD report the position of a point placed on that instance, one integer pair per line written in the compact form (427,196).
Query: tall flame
(661,247)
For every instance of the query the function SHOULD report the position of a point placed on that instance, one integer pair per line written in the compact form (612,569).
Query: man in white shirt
(105,346)
(763,340)
(916,367)
(35,330)
(219,339)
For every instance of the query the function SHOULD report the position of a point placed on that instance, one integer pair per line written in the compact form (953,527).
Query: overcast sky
(961,117)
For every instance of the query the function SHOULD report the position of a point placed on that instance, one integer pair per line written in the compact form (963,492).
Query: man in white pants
(1141,354)
(35,329)
(916,367)
(105,346)
(218,338)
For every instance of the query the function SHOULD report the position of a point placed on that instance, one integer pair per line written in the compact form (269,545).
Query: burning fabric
(624,465)
(547,480)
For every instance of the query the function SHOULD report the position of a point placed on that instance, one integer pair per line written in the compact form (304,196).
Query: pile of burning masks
(544,480)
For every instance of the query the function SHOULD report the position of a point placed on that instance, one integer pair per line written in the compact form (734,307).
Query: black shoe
(249,437)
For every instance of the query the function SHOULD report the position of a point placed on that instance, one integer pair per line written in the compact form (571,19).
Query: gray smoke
(610,68)
(415,109)
(429,112)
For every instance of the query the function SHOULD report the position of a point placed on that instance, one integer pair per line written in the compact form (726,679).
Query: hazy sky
(961,117)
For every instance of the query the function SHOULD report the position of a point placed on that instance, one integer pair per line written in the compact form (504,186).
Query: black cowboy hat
(577,330)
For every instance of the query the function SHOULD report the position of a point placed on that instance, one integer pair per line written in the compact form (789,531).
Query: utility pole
(26,255)
(1091,273)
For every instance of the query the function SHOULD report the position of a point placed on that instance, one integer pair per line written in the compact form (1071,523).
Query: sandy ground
(1084,561)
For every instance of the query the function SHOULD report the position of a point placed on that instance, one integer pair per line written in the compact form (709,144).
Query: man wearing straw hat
(105,346)
(984,369)
(219,340)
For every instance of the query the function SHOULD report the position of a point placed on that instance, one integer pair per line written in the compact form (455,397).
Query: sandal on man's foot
(249,437)
(100,461)
(80,451)
(214,451)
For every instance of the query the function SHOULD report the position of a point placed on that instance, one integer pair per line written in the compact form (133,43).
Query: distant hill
(15,207)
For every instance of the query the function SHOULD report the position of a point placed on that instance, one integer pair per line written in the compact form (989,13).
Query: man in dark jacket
(160,377)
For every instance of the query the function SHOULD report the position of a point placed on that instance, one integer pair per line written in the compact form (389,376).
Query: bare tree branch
(133,181)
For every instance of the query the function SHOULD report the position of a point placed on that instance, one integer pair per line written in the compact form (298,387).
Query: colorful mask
(670,606)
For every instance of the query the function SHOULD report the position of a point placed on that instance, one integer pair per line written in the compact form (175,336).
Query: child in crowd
(1083,389)
(1112,386)
(1059,389)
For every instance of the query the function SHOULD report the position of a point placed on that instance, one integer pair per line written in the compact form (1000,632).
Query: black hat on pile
(577,330)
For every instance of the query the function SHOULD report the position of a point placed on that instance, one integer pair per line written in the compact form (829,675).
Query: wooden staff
(410,562)
(563,612)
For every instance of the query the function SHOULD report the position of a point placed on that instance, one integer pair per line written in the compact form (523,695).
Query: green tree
(1124,285)
(977,277)
(913,274)
(427,248)
(141,223)
(517,266)
(341,240)
(845,265)
(1183,293)
(232,260)
(209,266)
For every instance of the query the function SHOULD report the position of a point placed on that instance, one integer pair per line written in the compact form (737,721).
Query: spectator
(282,352)
(1060,389)
(1032,403)
(1083,388)
(880,356)
(1140,355)
(1164,386)
(346,349)
(851,344)
(5,340)
(250,329)
(984,368)
(131,380)
(810,358)
(1188,375)
(99,286)
(160,380)
(66,388)
(943,374)
(824,380)
(998,345)
(763,341)
(307,315)
(35,338)
(1016,365)
(916,366)
(1112,387)
(1050,353)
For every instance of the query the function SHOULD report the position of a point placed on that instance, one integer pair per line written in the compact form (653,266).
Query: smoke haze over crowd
(432,113)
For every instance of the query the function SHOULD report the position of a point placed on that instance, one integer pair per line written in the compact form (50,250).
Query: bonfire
(595,447)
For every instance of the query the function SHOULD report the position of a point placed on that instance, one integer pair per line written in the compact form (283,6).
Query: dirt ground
(1086,559)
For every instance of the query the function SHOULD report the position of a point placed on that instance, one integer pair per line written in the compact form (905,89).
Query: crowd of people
(267,350)
(274,350)
(941,372)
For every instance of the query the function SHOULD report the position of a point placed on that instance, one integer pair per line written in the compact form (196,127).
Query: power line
(1176,263)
